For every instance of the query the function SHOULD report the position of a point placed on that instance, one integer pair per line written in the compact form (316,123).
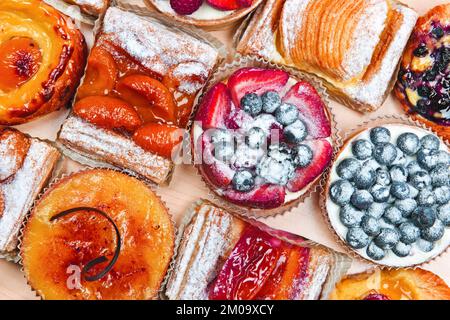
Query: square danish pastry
(140,85)
(26,165)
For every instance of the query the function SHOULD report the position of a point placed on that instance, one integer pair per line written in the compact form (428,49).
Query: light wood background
(186,187)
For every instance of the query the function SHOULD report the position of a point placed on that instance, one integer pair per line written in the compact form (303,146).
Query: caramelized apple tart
(98,234)
(42,58)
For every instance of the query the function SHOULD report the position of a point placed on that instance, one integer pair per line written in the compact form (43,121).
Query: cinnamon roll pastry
(91,7)
(42,58)
(354,46)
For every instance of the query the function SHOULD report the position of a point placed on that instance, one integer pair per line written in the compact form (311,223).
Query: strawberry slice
(215,107)
(323,152)
(312,109)
(255,80)
(224,5)
(248,267)
(263,197)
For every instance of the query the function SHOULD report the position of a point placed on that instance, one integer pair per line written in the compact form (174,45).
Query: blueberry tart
(387,195)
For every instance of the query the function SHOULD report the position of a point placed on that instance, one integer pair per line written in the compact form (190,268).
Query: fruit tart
(26,165)
(42,58)
(97,234)
(91,7)
(140,85)
(262,138)
(424,77)
(388,195)
(401,284)
(222,257)
(205,13)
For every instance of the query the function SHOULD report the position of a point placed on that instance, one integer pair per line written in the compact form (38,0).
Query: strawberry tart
(262,138)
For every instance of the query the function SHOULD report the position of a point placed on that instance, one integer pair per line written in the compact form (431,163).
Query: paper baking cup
(224,72)
(379,121)
(66,170)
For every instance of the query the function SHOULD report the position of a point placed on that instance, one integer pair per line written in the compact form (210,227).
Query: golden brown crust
(14,147)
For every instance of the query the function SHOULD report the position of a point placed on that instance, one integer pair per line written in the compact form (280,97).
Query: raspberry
(185,7)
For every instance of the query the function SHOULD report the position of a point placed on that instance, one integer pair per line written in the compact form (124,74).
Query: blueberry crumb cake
(388,195)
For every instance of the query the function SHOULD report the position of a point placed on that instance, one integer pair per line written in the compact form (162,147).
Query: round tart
(388,195)
(262,138)
(402,284)
(42,58)
(424,78)
(98,234)
(208,13)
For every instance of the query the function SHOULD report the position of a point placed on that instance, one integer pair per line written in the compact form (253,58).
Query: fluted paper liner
(379,121)
(224,72)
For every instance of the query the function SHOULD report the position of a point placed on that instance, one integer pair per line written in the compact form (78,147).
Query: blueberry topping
(376,210)
(426,198)
(380,193)
(341,192)
(385,153)
(280,152)
(357,238)
(361,199)
(400,159)
(437,33)
(409,143)
(420,180)
(362,149)
(424,217)
(406,206)
(413,192)
(349,216)
(286,114)
(275,171)
(252,104)
(365,178)
(430,75)
(243,181)
(430,142)
(383,177)
(295,132)
(224,151)
(398,173)
(348,168)
(371,163)
(440,175)
(303,156)
(370,225)
(246,157)
(393,215)
(255,138)
(400,190)
(433,233)
(428,159)
(444,214)
(442,194)
(424,245)
(413,167)
(270,101)
(375,252)
(380,135)
(221,136)
(402,249)
(409,233)
(421,51)
(387,238)
(425,91)
(444,157)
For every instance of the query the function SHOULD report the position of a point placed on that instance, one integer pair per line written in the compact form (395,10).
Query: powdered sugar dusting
(9,158)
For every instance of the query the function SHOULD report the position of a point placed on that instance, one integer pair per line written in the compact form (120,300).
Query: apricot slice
(152,99)
(20,59)
(101,74)
(14,147)
(109,113)
(158,138)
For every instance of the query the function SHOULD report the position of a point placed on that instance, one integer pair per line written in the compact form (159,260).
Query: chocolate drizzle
(92,263)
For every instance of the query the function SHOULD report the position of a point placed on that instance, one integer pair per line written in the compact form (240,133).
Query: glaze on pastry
(42,58)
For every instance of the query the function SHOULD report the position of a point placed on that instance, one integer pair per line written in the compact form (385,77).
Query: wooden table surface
(186,186)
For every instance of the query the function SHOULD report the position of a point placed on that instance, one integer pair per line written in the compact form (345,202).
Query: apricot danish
(42,58)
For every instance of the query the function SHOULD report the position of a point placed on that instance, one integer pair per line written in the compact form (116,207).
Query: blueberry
(252,104)
(440,175)
(409,143)
(424,217)
(387,238)
(424,245)
(413,192)
(375,252)
(349,216)
(341,192)
(400,159)
(243,181)
(348,168)
(430,75)
(380,193)
(426,198)
(376,210)
(442,194)
(413,167)
(295,132)
(430,142)
(425,91)
(303,156)
(437,33)
(444,214)
(444,157)
(409,233)
(398,173)
(365,178)
(383,177)
(402,249)
(274,171)
(428,159)
(406,206)
(255,138)
(286,114)
(371,163)
(361,199)
(400,190)
(421,51)
(380,135)
(357,238)
(280,152)
(393,216)
(270,101)
(433,233)
(224,152)
(420,180)
(362,149)
(385,153)
(221,136)
(370,225)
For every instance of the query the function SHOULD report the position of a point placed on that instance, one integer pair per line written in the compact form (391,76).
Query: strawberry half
(312,109)
(263,197)
(255,80)
(215,107)
(224,5)
(323,153)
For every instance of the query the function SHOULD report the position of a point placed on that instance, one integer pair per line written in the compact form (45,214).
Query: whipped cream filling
(205,12)
(417,256)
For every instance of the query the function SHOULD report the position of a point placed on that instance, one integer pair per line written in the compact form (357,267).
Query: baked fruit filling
(189,7)
(262,135)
